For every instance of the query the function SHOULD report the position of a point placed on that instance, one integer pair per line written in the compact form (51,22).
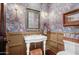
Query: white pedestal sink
(35,38)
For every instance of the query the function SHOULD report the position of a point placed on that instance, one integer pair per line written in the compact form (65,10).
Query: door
(2,31)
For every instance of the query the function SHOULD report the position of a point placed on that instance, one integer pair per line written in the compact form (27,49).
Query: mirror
(33,20)
(71,18)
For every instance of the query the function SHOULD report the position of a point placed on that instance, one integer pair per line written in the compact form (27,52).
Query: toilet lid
(64,53)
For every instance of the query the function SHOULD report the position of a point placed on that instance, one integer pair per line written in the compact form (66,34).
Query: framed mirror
(33,20)
(71,18)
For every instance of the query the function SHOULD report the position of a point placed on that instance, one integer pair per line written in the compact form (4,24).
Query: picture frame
(71,18)
(33,20)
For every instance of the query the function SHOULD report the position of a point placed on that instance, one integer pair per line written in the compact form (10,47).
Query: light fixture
(16,7)
(44,14)
(5,3)
(16,11)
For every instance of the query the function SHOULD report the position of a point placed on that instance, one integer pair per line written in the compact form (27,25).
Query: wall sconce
(5,3)
(16,8)
(44,14)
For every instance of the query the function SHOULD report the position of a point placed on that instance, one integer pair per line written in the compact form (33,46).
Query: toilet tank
(71,47)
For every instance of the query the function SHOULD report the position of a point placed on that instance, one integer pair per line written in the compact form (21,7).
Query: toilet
(70,48)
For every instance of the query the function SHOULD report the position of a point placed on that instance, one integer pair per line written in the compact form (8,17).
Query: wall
(54,20)
(56,11)
(14,24)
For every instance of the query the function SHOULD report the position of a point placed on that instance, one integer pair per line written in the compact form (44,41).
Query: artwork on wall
(71,18)
(33,19)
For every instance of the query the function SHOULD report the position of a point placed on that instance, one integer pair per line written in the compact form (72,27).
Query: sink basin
(34,38)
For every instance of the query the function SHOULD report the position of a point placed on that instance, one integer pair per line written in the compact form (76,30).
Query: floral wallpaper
(56,11)
(16,15)
(15,18)
(51,16)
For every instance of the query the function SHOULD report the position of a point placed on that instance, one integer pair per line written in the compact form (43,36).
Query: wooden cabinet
(16,44)
(16,50)
(53,36)
(60,41)
(60,47)
(55,42)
